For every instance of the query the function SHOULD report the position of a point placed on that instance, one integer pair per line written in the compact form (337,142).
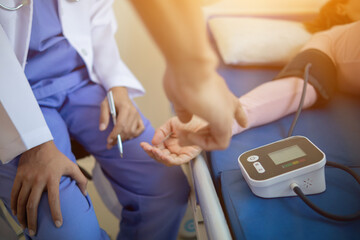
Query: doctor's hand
(201,91)
(128,120)
(166,147)
(39,170)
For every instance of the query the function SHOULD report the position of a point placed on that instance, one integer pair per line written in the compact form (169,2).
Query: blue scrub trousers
(153,196)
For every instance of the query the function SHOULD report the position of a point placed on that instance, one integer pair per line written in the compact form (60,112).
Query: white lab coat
(89,25)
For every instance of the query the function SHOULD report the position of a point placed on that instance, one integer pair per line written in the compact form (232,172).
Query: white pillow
(250,41)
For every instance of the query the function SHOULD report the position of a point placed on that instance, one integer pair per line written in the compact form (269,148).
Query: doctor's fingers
(104,115)
(137,127)
(129,125)
(52,186)
(32,208)
(22,202)
(72,170)
(14,194)
(121,124)
(54,202)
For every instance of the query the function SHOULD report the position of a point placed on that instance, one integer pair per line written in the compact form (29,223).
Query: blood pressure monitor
(271,169)
(291,166)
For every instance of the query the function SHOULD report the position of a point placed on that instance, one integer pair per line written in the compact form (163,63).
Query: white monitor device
(271,169)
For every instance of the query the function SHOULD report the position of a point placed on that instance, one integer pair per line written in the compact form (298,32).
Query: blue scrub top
(53,65)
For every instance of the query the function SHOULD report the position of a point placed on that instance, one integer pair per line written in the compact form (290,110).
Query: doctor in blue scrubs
(69,73)
(57,61)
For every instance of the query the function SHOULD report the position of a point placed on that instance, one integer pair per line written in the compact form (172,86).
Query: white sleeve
(22,125)
(108,65)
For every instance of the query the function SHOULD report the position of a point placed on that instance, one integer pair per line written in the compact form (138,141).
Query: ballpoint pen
(165,138)
(113,115)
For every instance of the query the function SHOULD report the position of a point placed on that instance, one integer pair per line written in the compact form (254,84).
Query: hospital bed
(335,129)
(223,204)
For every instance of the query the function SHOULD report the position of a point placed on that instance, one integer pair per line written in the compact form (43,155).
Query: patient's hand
(166,147)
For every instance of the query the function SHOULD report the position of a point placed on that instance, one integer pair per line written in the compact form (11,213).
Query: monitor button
(259,168)
(253,158)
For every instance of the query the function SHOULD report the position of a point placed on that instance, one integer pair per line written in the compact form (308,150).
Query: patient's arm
(274,100)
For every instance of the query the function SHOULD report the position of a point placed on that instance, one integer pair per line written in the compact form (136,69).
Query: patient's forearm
(178,28)
(274,100)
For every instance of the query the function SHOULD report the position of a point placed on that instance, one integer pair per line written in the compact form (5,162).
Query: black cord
(306,79)
(350,217)
(296,188)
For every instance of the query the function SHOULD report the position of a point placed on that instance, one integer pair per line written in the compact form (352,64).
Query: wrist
(120,93)
(195,69)
(39,148)
(118,89)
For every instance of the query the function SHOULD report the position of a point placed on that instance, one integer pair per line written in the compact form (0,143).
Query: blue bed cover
(334,128)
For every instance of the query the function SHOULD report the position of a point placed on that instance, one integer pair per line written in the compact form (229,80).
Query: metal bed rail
(209,217)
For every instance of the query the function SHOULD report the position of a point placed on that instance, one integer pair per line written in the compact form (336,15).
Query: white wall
(144,59)
(264,6)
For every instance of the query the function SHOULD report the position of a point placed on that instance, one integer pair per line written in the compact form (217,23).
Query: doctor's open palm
(167,147)
(40,169)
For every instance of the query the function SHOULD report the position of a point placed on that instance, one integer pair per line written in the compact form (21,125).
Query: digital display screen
(286,154)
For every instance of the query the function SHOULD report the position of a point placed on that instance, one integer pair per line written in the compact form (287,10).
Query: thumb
(163,132)
(104,115)
(160,135)
(183,115)
(240,115)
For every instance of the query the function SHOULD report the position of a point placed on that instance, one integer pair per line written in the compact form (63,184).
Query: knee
(79,219)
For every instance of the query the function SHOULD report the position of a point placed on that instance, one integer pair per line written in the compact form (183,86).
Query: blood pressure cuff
(322,74)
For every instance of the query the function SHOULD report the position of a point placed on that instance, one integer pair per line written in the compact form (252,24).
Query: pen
(113,115)
(165,138)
